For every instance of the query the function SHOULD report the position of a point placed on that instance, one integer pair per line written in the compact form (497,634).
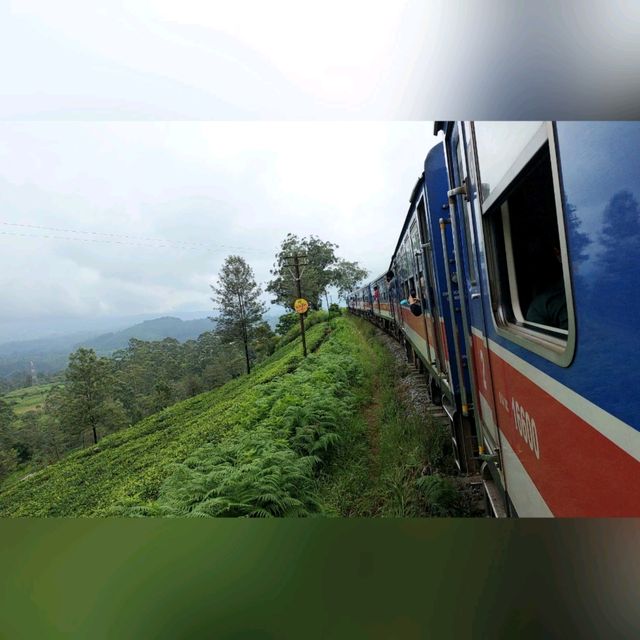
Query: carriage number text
(526,426)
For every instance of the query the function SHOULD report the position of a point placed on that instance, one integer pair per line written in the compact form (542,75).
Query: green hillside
(27,398)
(284,414)
(324,435)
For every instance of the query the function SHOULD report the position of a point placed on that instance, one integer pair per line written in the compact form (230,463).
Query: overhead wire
(129,239)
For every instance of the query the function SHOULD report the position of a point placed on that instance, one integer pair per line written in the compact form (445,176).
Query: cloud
(140,216)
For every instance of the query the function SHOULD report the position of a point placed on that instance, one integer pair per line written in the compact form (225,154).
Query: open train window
(526,250)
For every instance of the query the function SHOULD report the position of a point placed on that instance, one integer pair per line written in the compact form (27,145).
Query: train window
(500,146)
(415,238)
(406,251)
(526,252)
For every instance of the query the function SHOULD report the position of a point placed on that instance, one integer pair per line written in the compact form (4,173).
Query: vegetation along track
(325,435)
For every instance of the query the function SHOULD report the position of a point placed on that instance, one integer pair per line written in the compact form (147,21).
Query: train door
(464,201)
(433,317)
(422,334)
(376,298)
(457,401)
(395,295)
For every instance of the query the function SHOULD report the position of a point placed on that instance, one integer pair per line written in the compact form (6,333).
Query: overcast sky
(72,73)
(108,218)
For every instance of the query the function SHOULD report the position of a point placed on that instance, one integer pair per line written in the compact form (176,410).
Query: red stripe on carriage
(577,470)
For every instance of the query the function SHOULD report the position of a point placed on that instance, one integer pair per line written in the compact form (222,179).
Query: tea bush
(249,448)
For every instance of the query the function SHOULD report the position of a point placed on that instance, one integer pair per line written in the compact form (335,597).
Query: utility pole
(295,262)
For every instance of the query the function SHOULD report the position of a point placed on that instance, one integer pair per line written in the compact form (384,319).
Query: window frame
(545,341)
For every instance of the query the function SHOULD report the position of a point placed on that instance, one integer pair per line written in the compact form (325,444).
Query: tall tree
(237,299)
(86,401)
(322,269)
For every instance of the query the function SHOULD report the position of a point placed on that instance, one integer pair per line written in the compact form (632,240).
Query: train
(514,287)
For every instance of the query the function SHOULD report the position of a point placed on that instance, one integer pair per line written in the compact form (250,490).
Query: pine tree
(237,300)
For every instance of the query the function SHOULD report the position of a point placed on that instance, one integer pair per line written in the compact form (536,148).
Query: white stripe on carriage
(524,494)
(419,342)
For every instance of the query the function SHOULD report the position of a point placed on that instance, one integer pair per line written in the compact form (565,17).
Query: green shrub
(334,310)
(440,494)
(250,475)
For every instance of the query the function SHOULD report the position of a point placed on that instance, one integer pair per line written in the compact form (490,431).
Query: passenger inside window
(549,304)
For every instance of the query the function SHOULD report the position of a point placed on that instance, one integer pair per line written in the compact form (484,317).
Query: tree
(237,299)
(265,341)
(86,392)
(8,454)
(322,269)
(346,276)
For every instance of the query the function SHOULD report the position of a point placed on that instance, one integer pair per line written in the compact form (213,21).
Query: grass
(379,471)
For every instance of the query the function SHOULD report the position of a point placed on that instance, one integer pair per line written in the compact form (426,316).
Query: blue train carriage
(546,222)
(367,300)
(407,280)
(422,267)
(448,308)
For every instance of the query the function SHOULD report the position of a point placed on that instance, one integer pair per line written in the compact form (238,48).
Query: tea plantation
(253,447)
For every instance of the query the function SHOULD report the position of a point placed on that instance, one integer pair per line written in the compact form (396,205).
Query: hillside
(321,435)
(28,398)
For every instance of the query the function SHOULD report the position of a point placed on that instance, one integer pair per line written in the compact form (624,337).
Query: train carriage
(549,375)
(381,302)
(526,263)
(422,266)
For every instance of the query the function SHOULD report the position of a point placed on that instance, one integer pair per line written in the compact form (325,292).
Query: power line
(159,243)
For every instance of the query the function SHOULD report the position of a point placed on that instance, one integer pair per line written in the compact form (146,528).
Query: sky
(201,123)
(125,218)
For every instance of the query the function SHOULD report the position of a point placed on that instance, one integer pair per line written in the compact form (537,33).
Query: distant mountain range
(51,354)
(156,329)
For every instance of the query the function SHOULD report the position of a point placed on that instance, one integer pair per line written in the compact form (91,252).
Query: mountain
(156,329)
(48,326)
(51,354)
